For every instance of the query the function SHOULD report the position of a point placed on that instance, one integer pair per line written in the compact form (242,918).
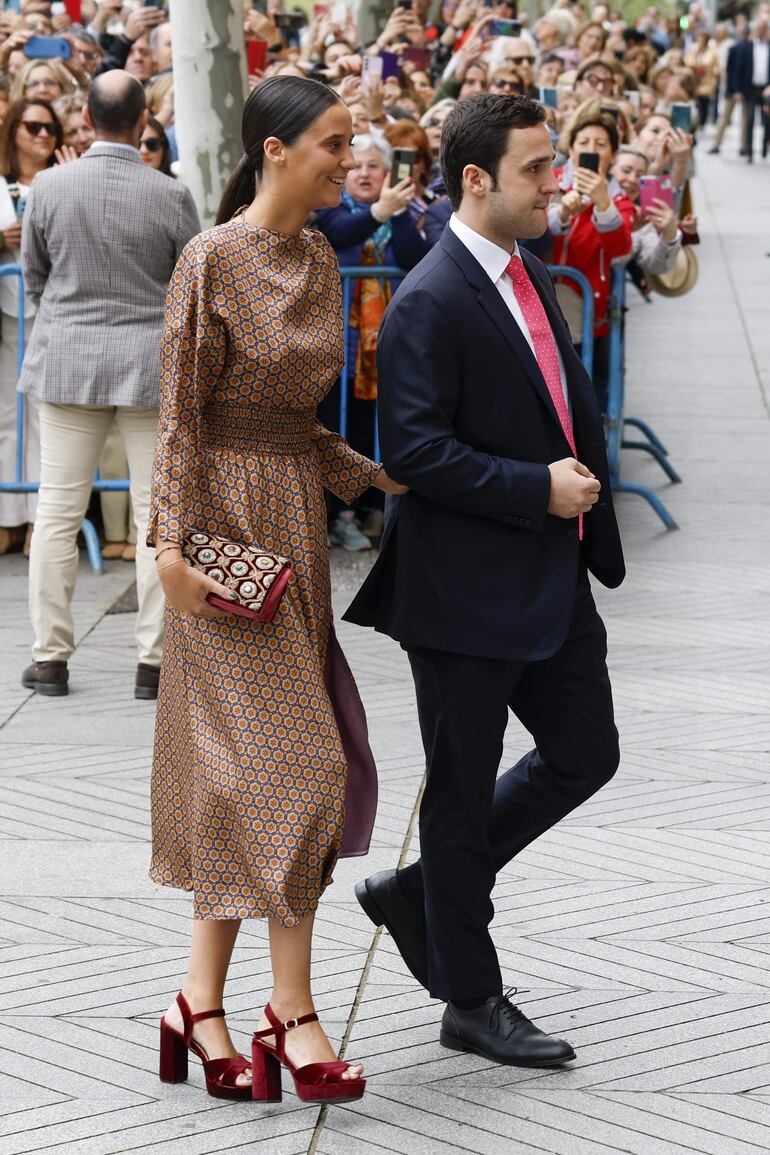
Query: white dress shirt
(494,261)
(761,73)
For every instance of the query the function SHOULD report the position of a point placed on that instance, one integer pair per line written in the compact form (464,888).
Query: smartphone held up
(403,163)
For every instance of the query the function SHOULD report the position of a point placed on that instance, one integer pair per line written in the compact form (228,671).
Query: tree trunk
(209,92)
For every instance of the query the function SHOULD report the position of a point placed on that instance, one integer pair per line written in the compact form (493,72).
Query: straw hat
(680,279)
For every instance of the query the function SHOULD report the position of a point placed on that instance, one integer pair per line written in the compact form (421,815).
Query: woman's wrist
(379,212)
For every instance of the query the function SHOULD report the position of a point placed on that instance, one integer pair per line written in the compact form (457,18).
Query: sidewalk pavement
(637,929)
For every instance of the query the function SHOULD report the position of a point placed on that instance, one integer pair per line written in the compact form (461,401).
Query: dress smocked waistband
(248,429)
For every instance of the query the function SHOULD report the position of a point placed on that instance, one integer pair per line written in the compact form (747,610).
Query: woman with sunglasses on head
(154,147)
(30,135)
(261,762)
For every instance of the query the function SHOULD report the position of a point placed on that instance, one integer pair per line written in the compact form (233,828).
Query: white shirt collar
(493,260)
(114,144)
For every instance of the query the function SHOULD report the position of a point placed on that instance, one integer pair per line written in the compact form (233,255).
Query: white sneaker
(346,531)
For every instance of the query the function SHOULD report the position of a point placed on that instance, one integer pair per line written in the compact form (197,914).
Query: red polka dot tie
(545,347)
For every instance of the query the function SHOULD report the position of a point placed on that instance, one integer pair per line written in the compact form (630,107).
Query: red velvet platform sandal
(221,1074)
(314,1083)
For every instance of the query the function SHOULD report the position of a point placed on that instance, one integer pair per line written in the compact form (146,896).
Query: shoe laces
(506,1012)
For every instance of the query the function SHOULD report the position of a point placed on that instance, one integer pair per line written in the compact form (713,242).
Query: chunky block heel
(173,1055)
(221,1074)
(314,1083)
(265,1075)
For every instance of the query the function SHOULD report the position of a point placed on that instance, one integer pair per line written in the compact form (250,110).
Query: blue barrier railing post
(616,400)
(567,273)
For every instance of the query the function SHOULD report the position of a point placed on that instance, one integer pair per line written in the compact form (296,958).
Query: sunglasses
(154,144)
(35,127)
(432,123)
(508,85)
(598,81)
(521,59)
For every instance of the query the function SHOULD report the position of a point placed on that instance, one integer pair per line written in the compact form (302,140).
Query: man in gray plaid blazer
(101,238)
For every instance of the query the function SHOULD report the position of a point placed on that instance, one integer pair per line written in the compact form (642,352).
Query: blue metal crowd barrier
(19,485)
(616,418)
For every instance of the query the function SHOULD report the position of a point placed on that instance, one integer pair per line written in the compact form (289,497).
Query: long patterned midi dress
(260,738)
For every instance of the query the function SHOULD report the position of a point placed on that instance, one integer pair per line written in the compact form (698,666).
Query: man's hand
(574,489)
(142,21)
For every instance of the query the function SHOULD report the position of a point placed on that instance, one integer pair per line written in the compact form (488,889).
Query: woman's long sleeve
(343,470)
(192,357)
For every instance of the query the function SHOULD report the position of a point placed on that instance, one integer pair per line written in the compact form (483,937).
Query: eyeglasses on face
(152,144)
(432,123)
(35,127)
(598,81)
(521,59)
(508,85)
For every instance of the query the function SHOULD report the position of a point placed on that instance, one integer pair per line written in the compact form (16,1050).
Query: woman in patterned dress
(260,735)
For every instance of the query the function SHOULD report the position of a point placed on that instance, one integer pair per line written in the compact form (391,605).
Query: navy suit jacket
(471,561)
(740,77)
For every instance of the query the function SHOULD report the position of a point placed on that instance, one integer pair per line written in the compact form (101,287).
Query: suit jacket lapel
(493,304)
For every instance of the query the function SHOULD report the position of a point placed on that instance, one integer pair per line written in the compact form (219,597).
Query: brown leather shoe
(147,680)
(47,678)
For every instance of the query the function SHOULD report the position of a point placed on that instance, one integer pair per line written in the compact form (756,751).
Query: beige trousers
(726,115)
(117,514)
(72,438)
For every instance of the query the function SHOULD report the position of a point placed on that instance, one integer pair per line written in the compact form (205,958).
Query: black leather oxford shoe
(383,899)
(498,1031)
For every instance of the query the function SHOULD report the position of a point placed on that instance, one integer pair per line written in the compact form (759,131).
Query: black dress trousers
(471,822)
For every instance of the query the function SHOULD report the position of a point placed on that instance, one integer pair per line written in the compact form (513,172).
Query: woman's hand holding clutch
(387,485)
(186,589)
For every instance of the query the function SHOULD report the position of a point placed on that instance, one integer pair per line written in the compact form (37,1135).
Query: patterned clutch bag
(258,579)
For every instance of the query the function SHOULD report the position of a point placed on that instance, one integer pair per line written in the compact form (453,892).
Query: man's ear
(475,180)
(87,118)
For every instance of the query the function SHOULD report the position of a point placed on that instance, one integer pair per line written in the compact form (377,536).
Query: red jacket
(592,252)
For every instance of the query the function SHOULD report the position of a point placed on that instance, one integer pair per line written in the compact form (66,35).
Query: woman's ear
(274,150)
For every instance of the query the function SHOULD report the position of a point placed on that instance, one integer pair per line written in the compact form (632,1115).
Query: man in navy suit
(750,78)
(487,414)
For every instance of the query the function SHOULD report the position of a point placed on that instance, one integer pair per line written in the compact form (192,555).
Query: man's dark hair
(476,132)
(115,110)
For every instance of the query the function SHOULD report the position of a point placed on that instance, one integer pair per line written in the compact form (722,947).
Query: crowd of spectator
(626,101)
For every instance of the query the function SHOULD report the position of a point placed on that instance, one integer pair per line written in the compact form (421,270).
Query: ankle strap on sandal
(278,1028)
(189,1019)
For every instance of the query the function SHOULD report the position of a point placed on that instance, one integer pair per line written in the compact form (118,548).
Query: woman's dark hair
(603,120)
(284,107)
(476,132)
(9,157)
(160,132)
